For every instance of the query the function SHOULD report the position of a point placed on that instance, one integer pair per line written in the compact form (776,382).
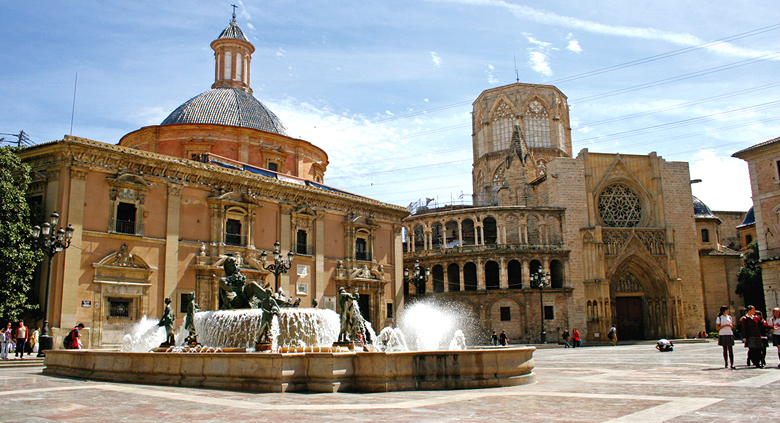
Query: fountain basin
(303,372)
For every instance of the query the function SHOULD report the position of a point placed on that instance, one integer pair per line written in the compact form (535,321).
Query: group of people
(18,339)
(576,338)
(499,339)
(754,331)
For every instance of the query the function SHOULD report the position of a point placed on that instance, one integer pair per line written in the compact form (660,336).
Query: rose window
(619,206)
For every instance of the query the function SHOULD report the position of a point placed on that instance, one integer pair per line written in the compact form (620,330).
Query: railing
(304,249)
(441,250)
(125,227)
(234,239)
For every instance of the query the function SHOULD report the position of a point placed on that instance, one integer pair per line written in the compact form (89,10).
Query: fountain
(267,348)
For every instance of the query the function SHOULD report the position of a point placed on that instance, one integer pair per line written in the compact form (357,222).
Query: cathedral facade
(614,236)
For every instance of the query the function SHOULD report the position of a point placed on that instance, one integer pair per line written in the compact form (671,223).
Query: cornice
(155,167)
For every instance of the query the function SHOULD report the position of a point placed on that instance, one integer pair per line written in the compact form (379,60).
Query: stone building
(157,215)
(764,166)
(614,232)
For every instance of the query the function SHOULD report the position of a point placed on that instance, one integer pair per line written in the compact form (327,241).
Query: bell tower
(232,57)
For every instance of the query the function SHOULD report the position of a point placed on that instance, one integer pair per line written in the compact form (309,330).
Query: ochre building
(157,215)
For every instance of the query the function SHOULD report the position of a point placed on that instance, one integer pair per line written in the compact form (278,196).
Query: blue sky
(385,87)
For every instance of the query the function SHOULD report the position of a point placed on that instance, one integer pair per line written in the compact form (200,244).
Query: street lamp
(417,276)
(51,242)
(541,280)
(279,266)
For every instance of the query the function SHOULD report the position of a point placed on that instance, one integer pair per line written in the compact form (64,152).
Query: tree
(749,283)
(18,254)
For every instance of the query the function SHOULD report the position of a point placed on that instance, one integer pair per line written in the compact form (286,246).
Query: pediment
(619,171)
(123,259)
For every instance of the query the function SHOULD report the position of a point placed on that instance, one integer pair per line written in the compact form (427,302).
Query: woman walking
(774,321)
(725,327)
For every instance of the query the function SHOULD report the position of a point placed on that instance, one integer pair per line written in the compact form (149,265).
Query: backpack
(68,341)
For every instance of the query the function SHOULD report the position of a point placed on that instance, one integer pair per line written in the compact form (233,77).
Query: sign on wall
(303,270)
(86,303)
(302,288)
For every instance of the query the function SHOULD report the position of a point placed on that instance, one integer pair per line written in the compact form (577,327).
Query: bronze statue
(235,292)
(347,315)
(166,321)
(270,309)
(189,323)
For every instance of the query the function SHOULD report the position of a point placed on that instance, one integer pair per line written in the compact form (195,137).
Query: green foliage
(18,255)
(749,283)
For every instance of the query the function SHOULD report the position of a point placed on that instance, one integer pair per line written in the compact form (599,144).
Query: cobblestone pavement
(627,383)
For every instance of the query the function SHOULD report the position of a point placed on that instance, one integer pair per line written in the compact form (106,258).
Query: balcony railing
(463,249)
(234,239)
(304,249)
(128,227)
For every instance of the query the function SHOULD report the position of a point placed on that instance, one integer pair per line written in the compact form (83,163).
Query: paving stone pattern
(627,383)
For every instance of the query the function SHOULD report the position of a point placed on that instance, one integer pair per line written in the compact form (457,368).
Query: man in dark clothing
(751,336)
(502,338)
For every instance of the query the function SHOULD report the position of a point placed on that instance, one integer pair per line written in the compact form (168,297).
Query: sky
(386,87)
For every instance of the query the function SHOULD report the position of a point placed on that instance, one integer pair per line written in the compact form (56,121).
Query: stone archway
(642,304)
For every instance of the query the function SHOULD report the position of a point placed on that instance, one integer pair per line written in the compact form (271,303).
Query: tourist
(764,328)
(502,338)
(725,327)
(751,336)
(664,345)
(5,338)
(774,321)
(34,340)
(577,341)
(21,336)
(612,335)
(494,339)
(566,337)
(73,340)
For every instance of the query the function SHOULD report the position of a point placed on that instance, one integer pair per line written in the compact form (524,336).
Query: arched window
(537,125)
(228,65)
(470,276)
(556,274)
(491,275)
(453,277)
(705,235)
(502,126)
(491,230)
(515,273)
(468,231)
(437,273)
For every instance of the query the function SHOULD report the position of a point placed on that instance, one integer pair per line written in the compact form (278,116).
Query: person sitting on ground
(664,345)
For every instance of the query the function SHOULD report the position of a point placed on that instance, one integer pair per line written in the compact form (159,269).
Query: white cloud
(533,40)
(436,59)
(539,63)
(491,79)
(721,174)
(574,46)
(529,13)
(280,52)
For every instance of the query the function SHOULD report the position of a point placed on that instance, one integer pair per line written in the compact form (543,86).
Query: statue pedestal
(263,347)
(165,345)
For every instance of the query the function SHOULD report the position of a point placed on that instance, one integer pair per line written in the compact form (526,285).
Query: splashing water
(391,340)
(425,327)
(458,341)
(143,336)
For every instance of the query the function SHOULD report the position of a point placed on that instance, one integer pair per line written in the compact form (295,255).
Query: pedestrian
(764,328)
(725,327)
(5,342)
(566,337)
(21,335)
(73,340)
(34,339)
(774,321)
(494,339)
(664,345)
(612,335)
(576,338)
(751,336)
(502,338)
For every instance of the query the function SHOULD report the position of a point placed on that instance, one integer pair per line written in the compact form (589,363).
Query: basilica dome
(227,106)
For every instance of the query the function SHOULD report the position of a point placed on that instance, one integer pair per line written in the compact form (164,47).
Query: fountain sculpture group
(262,341)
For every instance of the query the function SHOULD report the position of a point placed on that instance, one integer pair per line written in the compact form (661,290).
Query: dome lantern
(232,58)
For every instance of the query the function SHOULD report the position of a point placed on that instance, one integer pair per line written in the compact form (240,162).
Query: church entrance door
(628,318)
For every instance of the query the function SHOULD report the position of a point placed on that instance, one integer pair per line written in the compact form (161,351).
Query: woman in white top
(724,325)
(775,322)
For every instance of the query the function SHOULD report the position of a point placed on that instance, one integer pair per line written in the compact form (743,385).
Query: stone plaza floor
(626,383)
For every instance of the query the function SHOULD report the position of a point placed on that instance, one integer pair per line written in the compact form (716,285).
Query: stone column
(72,263)
(284,239)
(460,274)
(173,217)
(480,275)
(503,274)
(526,273)
(319,279)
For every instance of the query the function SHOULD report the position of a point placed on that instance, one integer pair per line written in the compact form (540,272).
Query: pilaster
(172,240)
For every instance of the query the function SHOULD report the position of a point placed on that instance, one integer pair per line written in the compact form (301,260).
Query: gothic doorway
(628,318)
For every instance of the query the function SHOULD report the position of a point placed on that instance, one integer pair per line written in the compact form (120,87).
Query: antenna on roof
(73,109)
(234,13)
(517,75)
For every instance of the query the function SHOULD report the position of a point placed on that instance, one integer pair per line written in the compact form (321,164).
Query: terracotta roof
(233,32)
(756,147)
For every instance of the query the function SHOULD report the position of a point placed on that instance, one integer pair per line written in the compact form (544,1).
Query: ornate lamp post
(541,280)
(280,265)
(52,242)
(418,276)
